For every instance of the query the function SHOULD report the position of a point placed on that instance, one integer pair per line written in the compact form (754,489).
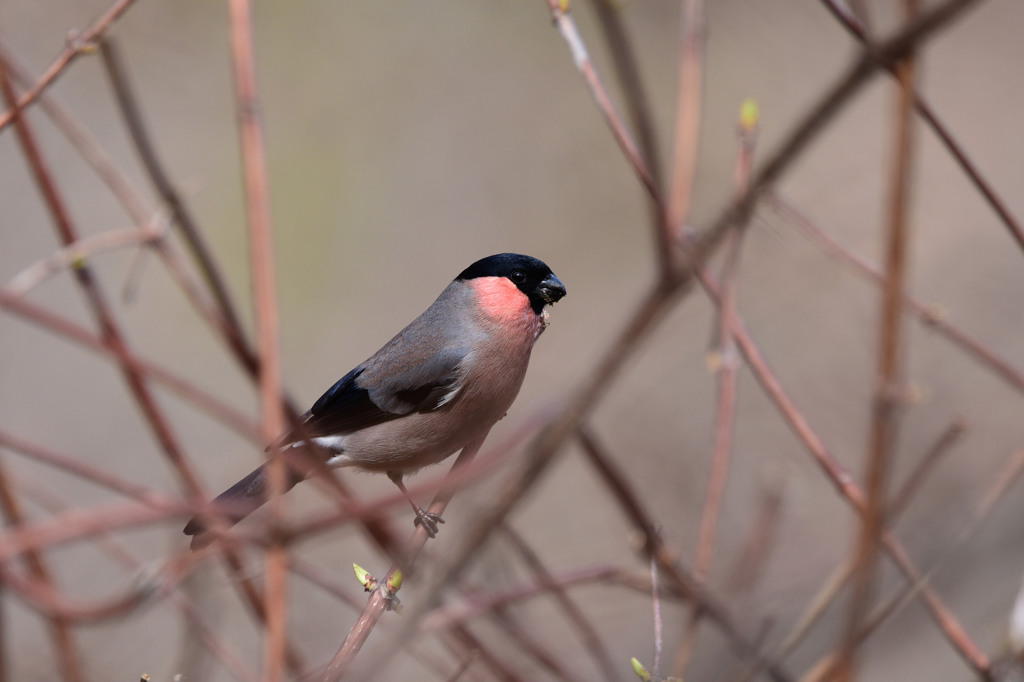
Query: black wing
(348,405)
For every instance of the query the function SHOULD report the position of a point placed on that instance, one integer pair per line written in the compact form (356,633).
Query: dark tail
(237,502)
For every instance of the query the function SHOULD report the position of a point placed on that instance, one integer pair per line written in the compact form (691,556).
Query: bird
(439,385)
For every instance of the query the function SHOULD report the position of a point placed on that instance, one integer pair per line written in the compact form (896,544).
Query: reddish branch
(113,337)
(848,489)
(261,260)
(187,391)
(655,547)
(543,452)
(179,212)
(689,86)
(582,625)
(924,109)
(381,598)
(833,585)
(725,360)
(69,659)
(78,43)
(97,302)
(931,316)
(887,386)
(563,426)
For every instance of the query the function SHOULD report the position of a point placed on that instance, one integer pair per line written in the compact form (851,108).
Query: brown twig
(189,392)
(654,546)
(69,659)
(637,104)
(664,291)
(112,336)
(831,102)
(689,86)
(848,489)
(77,45)
(82,140)
(81,524)
(524,642)
(325,580)
(39,594)
(883,54)
(567,28)
(942,445)
(101,311)
(886,401)
(929,315)
(858,29)
(582,626)
(261,261)
(725,361)
(468,642)
(131,199)
(113,548)
(180,214)
(380,599)
(475,603)
(659,636)
(761,540)
(82,469)
(834,584)
(1010,473)
(226,321)
(82,250)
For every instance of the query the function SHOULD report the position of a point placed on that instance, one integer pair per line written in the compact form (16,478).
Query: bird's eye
(518,276)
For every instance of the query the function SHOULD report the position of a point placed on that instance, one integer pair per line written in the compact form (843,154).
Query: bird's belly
(412,442)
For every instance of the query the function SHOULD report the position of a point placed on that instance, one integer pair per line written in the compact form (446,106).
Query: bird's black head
(531,276)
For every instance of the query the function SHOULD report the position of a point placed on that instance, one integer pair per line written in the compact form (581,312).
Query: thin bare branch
(582,625)
(725,361)
(689,86)
(567,28)
(261,265)
(82,250)
(78,43)
(187,391)
(654,546)
(848,489)
(116,71)
(475,603)
(931,316)
(858,29)
(888,376)
(97,302)
(69,658)
(381,598)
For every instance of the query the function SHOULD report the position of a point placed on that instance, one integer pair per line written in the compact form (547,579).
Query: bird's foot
(429,521)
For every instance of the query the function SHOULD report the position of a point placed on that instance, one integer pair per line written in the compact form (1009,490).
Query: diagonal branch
(925,110)
(542,453)
(77,45)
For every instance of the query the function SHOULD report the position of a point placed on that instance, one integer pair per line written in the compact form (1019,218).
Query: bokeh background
(405,140)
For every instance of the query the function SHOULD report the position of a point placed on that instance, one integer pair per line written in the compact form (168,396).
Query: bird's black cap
(532,276)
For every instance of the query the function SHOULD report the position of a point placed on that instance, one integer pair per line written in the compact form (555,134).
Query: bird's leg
(428,520)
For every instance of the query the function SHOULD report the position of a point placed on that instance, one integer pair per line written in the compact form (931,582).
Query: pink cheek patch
(499,298)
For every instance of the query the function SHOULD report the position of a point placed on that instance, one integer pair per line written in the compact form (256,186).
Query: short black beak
(551,289)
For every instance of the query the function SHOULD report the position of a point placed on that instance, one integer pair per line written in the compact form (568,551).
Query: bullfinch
(440,384)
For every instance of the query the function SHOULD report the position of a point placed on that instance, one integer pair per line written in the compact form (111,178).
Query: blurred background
(406,140)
